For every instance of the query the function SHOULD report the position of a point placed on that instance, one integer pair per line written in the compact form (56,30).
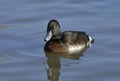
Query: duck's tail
(90,41)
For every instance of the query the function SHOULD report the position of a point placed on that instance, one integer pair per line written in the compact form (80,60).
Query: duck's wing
(73,36)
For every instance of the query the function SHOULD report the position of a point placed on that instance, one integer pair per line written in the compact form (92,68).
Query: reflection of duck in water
(54,64)
(53,72)
(68,41)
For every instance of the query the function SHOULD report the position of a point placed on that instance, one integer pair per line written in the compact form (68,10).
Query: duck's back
(73,37)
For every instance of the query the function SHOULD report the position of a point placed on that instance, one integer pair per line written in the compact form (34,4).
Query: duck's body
(68,41)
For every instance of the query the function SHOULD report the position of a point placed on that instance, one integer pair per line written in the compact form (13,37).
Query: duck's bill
(48,36)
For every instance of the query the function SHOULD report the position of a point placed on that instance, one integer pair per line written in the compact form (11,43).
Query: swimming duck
(67,41)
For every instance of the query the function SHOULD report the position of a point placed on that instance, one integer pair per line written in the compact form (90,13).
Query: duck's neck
(57,36)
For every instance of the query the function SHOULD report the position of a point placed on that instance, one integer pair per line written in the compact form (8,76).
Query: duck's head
(53,30)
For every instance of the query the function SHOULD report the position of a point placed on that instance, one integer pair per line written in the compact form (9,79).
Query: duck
(67,41)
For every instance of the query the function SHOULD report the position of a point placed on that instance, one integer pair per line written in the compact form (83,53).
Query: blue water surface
(23,25)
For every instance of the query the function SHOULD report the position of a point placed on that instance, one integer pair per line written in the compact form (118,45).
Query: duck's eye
(54,27)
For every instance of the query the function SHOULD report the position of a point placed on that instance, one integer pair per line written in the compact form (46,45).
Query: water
(23,26)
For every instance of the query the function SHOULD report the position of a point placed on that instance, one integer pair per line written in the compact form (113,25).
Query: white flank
(74,48)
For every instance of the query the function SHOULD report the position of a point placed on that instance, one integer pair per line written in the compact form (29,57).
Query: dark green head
(53,30)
